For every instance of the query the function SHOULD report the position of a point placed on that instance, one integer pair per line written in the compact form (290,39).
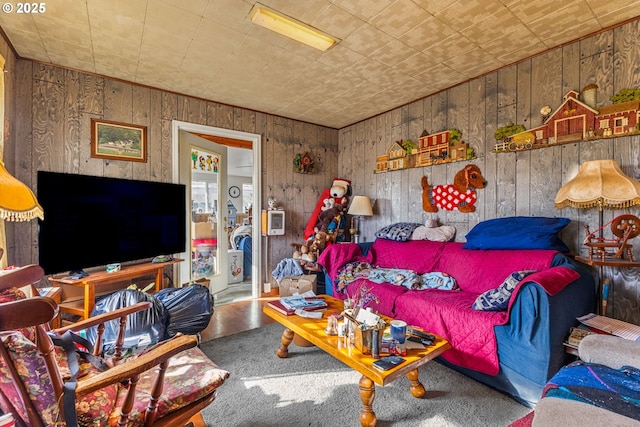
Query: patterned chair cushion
(190,376)
(31,368)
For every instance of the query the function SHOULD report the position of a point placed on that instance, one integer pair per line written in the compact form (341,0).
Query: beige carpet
(311,388)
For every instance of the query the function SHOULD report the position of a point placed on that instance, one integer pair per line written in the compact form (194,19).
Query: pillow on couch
(518,232)
(400,231)
(498,299)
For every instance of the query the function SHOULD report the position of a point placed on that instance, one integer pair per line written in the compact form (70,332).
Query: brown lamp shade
(17,201)
(599,183)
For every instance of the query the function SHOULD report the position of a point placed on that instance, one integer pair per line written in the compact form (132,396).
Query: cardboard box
(235,259)
(201,217)
(291,285)
(203,230)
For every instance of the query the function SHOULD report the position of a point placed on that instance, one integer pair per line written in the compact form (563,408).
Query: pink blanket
(450,313)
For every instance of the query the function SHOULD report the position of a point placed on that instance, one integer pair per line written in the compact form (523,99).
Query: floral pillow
(498,299)
(400,231)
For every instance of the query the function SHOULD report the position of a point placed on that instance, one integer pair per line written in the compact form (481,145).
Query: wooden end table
(312,330)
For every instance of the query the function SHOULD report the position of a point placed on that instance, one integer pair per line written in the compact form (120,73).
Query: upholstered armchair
(162,386)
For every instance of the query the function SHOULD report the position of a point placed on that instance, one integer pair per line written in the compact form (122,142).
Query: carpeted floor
(311,388)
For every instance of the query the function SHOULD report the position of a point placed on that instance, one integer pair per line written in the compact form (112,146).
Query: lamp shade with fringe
(599,183)
(17,201)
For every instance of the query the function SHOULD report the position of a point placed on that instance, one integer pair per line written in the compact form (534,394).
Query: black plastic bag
(190,308)
(146,327)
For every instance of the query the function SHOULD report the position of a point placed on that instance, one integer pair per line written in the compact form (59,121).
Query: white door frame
(256,140)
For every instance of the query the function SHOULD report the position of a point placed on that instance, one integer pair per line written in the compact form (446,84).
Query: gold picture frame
(118,141)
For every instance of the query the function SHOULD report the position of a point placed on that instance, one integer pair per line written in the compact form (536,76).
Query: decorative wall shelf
(576,121)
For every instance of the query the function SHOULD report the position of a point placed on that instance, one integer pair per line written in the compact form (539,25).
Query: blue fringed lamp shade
(17,201)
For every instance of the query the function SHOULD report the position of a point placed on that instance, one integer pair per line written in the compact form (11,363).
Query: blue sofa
(529,345)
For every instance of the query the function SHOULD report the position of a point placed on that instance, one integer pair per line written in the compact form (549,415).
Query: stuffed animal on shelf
(460,195)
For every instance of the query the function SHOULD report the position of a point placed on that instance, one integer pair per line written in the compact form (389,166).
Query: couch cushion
(464,265)
(417,255)
(450,315)
(518,232)
(384,292)
(498,299)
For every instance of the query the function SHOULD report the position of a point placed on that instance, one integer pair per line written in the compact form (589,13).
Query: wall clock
(234,191)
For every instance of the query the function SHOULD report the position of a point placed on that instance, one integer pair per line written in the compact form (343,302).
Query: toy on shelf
(624,227)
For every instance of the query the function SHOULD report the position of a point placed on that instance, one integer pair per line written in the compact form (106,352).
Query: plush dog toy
(460,195)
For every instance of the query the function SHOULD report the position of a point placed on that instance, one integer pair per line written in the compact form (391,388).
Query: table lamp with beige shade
(602,184)
(360,206)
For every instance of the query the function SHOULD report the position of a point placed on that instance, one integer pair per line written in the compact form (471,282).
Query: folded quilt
(617,390)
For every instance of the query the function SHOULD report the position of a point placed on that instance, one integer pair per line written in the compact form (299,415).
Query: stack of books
(289,305)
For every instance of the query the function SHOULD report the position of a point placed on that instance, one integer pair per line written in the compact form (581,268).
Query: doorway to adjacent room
(221,170)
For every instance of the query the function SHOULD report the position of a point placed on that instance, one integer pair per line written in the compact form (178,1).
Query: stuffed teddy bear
(329,219)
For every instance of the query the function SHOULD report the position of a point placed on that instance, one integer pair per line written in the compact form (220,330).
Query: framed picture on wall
(118,141)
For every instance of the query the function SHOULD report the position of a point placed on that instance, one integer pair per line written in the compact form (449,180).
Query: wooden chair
(163,386)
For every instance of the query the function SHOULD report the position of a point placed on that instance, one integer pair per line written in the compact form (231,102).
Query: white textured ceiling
(391,51)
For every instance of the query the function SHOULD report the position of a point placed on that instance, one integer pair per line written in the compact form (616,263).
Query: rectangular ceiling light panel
(289,27)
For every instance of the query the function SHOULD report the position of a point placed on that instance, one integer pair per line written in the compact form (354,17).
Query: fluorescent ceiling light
(289,27)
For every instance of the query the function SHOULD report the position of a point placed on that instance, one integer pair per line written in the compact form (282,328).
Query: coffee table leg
(287,337)
(367,394)
(416,388)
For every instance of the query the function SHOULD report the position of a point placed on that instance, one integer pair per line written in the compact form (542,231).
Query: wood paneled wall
(523,183)
(49,111)
(52,133)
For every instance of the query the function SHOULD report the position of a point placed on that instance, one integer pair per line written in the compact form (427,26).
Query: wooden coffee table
(312,331)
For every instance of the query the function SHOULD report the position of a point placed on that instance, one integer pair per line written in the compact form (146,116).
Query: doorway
(221,201)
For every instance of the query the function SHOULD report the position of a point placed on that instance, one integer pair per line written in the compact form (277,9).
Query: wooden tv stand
(81,303)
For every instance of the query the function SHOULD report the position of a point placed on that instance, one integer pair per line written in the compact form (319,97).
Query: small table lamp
(360,206)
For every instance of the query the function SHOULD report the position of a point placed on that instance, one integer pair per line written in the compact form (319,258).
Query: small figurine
(272,204)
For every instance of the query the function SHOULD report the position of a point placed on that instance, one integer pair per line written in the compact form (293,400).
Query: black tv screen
(92,221)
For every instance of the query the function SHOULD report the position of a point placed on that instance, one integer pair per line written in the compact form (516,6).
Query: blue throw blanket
(617,390)
(395,276)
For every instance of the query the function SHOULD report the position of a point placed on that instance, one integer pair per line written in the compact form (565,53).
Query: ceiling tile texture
(390,52)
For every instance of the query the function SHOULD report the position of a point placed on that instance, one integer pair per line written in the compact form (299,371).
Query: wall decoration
(302,163)
(204,161)
(575,120)
(441,147)
(118,141)
(461,195)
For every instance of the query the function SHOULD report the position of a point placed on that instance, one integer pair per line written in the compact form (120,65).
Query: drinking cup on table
(399,330)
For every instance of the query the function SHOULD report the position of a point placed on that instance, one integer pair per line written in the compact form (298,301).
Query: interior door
(203,169)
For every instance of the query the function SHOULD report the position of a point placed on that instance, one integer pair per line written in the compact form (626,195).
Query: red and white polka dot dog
(460,195)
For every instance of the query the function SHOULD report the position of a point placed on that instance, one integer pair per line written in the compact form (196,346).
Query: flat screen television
(91,221)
